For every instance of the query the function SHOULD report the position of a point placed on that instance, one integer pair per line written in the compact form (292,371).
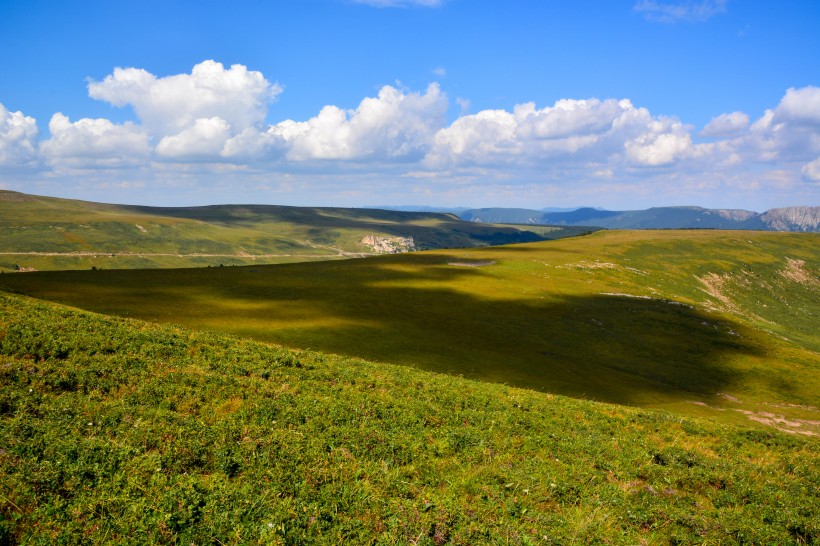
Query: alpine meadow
(615,387)
(410,273)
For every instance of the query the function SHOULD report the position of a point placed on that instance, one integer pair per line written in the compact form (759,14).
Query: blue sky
(618,104)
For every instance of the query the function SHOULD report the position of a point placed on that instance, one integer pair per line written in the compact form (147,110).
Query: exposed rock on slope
(389,245)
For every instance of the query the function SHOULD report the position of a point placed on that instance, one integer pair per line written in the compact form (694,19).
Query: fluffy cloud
(811,171)
(569,131)
(393,125)
(790,132)
(167,106)
(212,122)
(726,125)
(205,138)
(94,142)
(18,138)
(685,11)
(217,114)
(800,107)
(659,148)
(478,137)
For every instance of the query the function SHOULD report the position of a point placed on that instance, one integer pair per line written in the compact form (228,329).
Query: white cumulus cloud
(205,138)
(571,130)
(811,171)
(479,137)
(393,125)
(94,142)
(166,106)
(726,125)
(18,138)
(659,148)
(789,132)
(800,107)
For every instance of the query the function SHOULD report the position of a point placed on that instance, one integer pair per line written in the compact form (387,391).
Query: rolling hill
(49,233)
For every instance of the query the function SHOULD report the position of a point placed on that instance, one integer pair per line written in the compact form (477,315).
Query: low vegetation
(116,431)
(719,324)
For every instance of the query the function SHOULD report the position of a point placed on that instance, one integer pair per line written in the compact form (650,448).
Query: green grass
(115,431)
(616,316)
(50,234)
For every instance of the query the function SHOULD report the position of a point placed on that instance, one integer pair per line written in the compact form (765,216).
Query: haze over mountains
(780,219)
(783,219)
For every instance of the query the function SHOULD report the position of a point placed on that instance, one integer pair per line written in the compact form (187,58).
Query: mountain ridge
(797,218)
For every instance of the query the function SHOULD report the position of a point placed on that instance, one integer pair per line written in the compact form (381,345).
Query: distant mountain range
(781,219)
(458,210)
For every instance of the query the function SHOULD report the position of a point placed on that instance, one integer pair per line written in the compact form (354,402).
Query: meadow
(118,431)
(703,323)
(625,387)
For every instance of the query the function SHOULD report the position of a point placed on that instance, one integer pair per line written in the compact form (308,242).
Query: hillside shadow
(612,348)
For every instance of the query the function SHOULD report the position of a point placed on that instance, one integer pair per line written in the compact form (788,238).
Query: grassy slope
(118,236)
(116,431)
(557,316)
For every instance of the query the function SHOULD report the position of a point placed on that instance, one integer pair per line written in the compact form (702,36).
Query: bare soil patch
(795,271)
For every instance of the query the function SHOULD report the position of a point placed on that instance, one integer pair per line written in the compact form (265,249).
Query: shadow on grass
(612,348)
(622,350)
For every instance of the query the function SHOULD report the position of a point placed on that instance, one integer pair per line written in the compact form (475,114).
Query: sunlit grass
(117,431)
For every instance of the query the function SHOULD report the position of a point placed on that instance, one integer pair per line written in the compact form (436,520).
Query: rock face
(793,219)
(735,214)
(389,245)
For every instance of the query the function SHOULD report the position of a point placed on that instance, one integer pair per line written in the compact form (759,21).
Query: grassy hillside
(46,233)
(115,431)
(722,324)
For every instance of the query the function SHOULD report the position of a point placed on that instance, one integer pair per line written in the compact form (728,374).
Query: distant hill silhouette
(782,219)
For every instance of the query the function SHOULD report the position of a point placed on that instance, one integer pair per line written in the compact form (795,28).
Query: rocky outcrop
(739,215)
(389,245)
(793,219)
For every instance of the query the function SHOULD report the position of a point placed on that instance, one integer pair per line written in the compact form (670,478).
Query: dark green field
(718,324)
(116,431)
